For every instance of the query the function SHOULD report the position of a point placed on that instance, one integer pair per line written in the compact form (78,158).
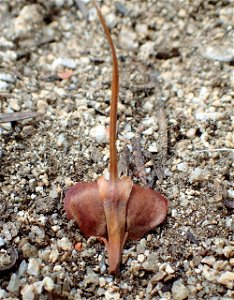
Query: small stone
(3,294)
(219,53)
(2,242)
(64,62)
(22,268)
(142,30)
(13,104)
(64,244)
(196,175)
(169,269)
(91,277)
(209,274)
(38,285)
(53,256)
(111,296)
(227,279)
(151,263)
(158,277)
(228,251)
(153,148)
(14,284)
(48,284)
(99,133)
(182,167)
(6,77)
(33,267)
(111,20)
(141,258)
(179,291)
(28,292)
(53,192)
(61,140)
(146,50)
(128,39)
(42,106)
(3,85)
(208,260)
(29,250)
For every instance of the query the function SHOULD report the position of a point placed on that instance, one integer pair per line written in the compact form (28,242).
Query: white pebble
(64,62)
(99,133)
(2,242)
(227,279)
(28,292)
(3,85)
(179,291)
(33,267)
(182,167)
(48,283)
(141,258)
(6,77)
(153,148)
(65,244)
(195,175)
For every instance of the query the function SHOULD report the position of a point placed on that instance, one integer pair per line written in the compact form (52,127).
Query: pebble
(169,269)
(14,284)
(3,294)
(179,291)
(153,148)
(219,53)
(99,132)
(54,255)
(158,277)
(146,50)
(3,85)
(65,244)
(22,268)
(42,106)
(151,263)
(61,140)
(227,279)
(2,242)
(182,167)
(29,16)
(91,277)
(53,192)
(112,296)
(228,251)
(64,62)
(128,39)
(33,267)
(209,274)
(111,20)
(13,104)
(29,250)
(141,258)
(48,284)
(196,175)
(28,292)
(7,77)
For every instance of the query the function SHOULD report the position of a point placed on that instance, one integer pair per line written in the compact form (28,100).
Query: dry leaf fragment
(18,116)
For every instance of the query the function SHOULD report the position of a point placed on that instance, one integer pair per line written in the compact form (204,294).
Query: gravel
(54,60)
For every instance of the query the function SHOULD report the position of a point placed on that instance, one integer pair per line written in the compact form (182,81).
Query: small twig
(12,117)
(163,135)
(138,159)
(123,164)
(215,150)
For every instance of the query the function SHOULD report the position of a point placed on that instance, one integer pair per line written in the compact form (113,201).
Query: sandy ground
(54,60)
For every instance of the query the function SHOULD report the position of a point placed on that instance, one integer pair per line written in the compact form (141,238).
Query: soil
(176,57)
